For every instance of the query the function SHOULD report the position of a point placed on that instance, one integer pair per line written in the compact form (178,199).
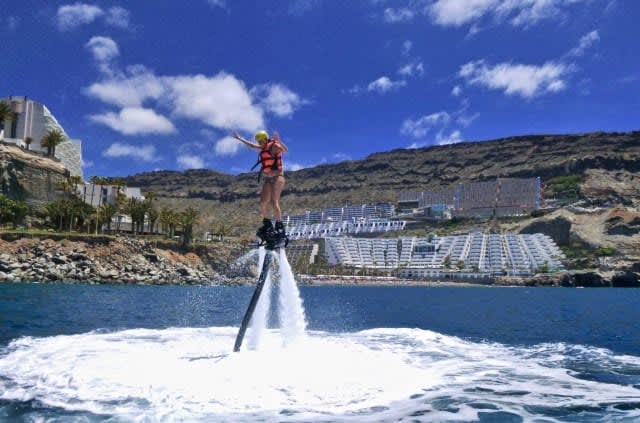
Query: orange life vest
(268,160)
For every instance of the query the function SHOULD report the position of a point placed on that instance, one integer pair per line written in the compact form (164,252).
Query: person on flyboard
(272,173)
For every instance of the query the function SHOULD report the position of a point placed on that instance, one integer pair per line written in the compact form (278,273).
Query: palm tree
(55,212)
(102,182)
(28,141)
(153,216)
(149,197)
(52,139)
(6,113)
(188,218)
(107,212)
(75,180)
(166,217)
(94,181)
(222,230)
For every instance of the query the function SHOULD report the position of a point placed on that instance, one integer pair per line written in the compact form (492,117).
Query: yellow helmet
(261,136)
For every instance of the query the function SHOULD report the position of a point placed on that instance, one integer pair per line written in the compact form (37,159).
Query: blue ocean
(85,353)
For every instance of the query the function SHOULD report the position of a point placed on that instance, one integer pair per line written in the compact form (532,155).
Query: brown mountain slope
(608,162)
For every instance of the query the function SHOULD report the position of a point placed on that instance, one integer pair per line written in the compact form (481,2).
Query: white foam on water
(291,312)
(186,374)
(260,318)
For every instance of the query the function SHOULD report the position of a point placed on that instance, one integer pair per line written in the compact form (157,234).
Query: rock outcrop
(558,228)
(119,261)
(29,176)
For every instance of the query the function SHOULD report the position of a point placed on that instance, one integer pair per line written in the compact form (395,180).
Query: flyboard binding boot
(271,237)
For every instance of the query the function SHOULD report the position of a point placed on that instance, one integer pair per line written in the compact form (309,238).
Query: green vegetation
(12,211)
(6,113)
(564,187)
(51,140)
(605,252)
(544,268)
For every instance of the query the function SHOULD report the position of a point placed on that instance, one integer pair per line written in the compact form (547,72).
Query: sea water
(140,353)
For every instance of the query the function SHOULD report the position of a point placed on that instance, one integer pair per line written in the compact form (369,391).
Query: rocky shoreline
(119,261)
(125,260)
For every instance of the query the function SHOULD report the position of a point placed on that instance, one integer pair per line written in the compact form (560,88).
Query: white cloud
(412,69)
(586,42)
(450,138)
(218,3)
(398,15)
(129,91)
(190,162)
(227,146)
(221,101)
(103,49)
(418,128)
(71,16)
(516,79)
(459,12)
(135,121)
(456,91)
(406,47)
(207,133)
(118,17)
(86,164)
(300,7)
(297,166)
(145,153)
(277,99)
(466,120)
(339,157)
(519,12)
(383,85)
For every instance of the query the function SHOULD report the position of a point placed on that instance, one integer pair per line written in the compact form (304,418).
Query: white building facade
(33,120)
(468,256)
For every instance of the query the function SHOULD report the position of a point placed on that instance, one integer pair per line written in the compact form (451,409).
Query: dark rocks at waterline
(625,280)
(125,261)
(584,279)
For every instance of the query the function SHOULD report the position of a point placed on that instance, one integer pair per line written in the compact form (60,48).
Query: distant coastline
(124,261)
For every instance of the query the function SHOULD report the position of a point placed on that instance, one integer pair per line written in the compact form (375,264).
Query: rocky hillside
(606,166)
(28,176)
(110,260)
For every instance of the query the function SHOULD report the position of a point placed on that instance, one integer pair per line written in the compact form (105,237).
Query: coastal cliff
(30,177)
(116,260)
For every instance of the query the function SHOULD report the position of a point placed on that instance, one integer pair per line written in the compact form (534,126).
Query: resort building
(31,123)
(330,229)
(501,197)
(342,214)
(475,255)
(97,195)
(335,221)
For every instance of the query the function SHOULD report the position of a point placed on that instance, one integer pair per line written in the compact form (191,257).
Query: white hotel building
(33,120)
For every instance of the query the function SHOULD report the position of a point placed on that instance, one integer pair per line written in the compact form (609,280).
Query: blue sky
(161,84)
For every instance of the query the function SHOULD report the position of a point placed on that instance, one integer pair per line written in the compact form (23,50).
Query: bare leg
(265,199)
(278,185)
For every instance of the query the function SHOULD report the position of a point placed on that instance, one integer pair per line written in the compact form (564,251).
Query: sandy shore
(373,281)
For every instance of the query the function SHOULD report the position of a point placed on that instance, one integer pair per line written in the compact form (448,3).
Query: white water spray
(260,319)
(291,314)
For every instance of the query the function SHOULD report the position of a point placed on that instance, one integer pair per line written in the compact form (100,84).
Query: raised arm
(245,141)
(276,137)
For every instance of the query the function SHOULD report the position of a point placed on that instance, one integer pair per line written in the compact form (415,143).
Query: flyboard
(272,241)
